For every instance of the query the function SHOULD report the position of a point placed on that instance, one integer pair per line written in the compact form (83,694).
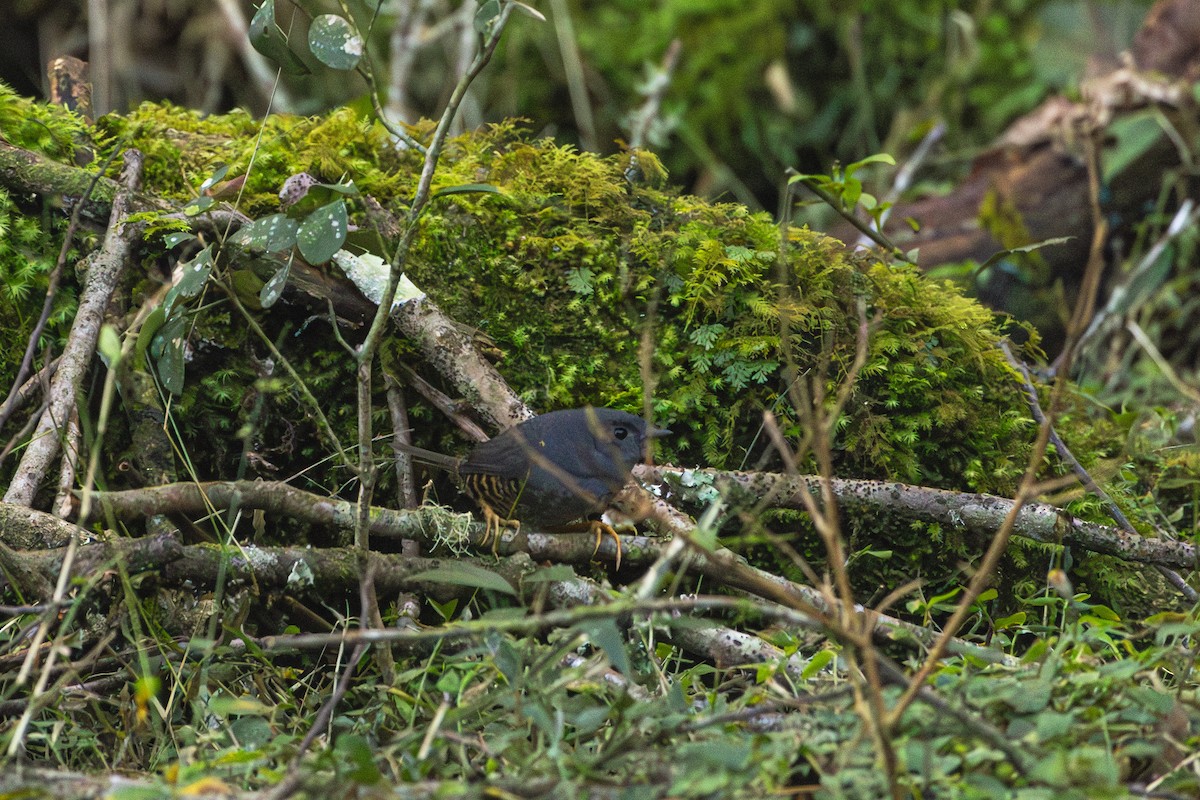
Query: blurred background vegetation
(757,87)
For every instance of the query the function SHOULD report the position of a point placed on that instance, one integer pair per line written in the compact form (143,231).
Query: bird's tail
(448,463)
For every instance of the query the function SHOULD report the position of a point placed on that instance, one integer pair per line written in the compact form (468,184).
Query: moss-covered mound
(588,281)
(570,264)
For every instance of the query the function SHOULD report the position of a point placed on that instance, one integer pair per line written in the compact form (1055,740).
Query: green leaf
(273,289)
(878,158)
(705,534)
(1104,612)
(486,16)
(555,572)
(814,177)
(1029,248)
(348,189)
(445,610)
(1031,698)
(109,346)
(355,749)
(198,206)
(304,195)
(136,793)
(1132,136)
(217,176)
(250,733)
(323,232)
(719,757)
(272,234)
(178,237)
(851,191)
(154,322)
(335,43)
(168,350)
(195,275)
(607,636)
(267,38)
(817,663)
(579,280)
(227,705)
(247,286)
(1083,765)
(467,188)
(1011,621)
(464,573)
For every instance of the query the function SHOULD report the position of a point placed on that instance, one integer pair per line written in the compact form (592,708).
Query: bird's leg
(599,529)
(493,525)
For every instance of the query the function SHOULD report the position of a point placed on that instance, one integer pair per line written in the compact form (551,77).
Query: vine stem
(369,348)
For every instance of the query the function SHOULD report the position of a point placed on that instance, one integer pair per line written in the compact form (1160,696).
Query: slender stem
(1028,489)
(366,356)
(866,230)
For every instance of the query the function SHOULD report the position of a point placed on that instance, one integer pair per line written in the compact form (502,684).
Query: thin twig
(871,233)
(1028,489)
(366,465)
(443,403)
(1065,454)
(406,490)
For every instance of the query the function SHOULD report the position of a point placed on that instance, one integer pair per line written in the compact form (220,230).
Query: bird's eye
(620,433)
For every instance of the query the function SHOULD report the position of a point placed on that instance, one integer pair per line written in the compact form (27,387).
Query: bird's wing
(507,455)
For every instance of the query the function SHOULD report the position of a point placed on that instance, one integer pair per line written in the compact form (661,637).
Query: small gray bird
(552,469)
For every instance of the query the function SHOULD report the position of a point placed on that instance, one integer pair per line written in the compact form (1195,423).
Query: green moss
(568,265)
(50,130)
(28,253)
(566,268)
(183,148)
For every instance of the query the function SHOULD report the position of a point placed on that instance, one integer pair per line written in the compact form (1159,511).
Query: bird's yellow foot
(493,525)
(600,529)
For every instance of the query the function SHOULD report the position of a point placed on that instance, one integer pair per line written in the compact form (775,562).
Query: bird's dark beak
(655,433)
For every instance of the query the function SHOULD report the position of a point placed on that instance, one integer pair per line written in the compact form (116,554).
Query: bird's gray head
(618,437)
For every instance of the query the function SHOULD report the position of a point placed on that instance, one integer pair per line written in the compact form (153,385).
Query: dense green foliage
(820,82)
(567,265)
(27,256)
(564,269)
(30,242)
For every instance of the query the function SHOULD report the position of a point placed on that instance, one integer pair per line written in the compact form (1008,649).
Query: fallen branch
(979,514)
(433,526)
(102,276)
